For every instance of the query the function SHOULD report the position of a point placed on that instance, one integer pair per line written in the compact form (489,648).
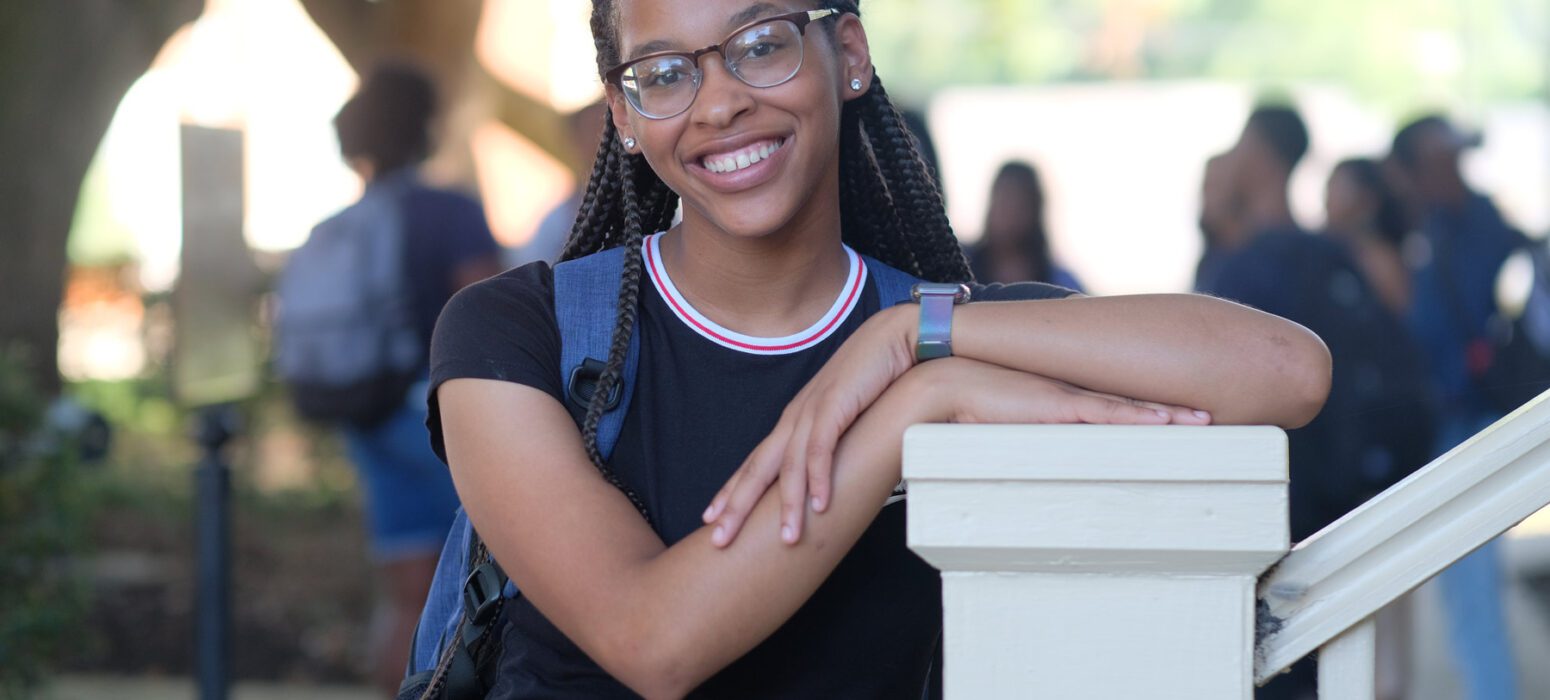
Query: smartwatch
(936,317)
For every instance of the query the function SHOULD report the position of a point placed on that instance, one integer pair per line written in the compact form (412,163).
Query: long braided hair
(890,209)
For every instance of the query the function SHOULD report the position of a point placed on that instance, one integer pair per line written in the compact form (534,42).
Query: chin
(750,217)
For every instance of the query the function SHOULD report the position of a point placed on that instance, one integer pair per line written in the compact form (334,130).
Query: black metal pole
(212,481)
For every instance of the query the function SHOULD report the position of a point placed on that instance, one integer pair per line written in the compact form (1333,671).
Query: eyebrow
(748,15)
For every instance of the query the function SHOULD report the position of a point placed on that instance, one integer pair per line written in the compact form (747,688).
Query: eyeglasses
(763,54)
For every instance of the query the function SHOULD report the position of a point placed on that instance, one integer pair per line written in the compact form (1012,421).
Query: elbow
(649,663)
(1308,370)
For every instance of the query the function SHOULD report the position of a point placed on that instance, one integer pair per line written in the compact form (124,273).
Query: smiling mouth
(742,158)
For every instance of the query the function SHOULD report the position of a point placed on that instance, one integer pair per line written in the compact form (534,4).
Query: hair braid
(624,326)
(602,188)
(931,250)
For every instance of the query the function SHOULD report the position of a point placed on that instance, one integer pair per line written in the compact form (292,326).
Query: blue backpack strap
(586,296)
(893,286)
(444,603)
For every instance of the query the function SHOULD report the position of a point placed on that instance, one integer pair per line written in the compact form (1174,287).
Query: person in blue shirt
(384,134)
(1257,254)
(1464,240)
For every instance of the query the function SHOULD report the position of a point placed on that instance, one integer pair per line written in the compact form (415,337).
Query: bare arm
(1241,365)
(1236,364)
(659,619)
(663,619)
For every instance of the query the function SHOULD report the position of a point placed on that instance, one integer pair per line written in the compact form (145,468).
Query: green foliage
(43,514)
(1397,53)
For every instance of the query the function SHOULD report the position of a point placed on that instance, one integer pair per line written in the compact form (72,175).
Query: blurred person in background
(582,129)
(384,135)
(1464,241)
(1363,212)
(1014,246)
(1222,221)
(1364,440)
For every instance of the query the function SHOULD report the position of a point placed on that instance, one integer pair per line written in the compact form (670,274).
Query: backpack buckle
(583,384)
(482,593)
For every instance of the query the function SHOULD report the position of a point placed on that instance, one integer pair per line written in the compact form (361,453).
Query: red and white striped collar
(849,298)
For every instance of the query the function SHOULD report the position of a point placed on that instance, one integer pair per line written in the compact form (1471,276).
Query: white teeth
(739,161)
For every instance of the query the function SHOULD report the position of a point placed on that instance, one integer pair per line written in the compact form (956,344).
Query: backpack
(1378,422)
(456,645)
(346,344)
(1509,361)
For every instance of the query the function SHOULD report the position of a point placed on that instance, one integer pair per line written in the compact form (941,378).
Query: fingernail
(786,534)
(706,516)
(1161,413)
(817,504)
(719,537)
(1202,415)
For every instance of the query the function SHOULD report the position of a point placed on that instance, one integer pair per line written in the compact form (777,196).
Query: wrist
(930,391)
(903,323)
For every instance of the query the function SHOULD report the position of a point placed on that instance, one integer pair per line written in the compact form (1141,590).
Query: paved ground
(114,688)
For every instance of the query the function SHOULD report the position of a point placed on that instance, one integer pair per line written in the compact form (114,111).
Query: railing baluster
(1347,664)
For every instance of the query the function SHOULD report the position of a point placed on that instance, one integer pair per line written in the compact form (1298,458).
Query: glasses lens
(662,86)
(766,55)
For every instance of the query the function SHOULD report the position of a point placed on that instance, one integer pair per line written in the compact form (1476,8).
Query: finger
(821,444)
(719,501)
(793,485)
(752,481)
(1176,414)
(1095,409)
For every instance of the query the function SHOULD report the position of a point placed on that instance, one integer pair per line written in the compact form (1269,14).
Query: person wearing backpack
(1464,242)
(709,506)
(363,294)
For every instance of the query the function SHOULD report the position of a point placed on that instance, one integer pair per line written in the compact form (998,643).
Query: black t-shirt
(704,397)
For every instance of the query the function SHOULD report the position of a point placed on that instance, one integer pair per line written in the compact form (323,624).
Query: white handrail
(1346,572)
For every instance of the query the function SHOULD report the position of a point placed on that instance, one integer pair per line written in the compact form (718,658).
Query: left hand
(800,450)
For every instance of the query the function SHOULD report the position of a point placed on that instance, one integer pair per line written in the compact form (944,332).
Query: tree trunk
(64,67)
(439,35)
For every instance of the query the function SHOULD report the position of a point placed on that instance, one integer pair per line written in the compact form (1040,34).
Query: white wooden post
(1348,664)
(1097,561)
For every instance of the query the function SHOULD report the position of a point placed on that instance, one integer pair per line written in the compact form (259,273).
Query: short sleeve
(1018,291)
(502,328)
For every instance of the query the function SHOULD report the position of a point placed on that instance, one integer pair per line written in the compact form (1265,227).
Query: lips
(741,158)
(739,163)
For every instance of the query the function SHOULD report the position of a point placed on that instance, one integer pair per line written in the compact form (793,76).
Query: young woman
(769,371)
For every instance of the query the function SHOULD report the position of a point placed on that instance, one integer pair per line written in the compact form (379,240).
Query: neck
(768,285)
(1270,208)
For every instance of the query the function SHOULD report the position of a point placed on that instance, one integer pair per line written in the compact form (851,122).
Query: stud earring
(629,143)
(855,84)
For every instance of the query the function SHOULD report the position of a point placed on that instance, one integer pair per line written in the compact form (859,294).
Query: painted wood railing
(1112,561)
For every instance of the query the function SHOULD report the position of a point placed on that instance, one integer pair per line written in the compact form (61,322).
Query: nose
(722,98)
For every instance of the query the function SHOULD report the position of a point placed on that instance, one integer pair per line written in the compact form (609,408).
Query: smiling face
(746,161)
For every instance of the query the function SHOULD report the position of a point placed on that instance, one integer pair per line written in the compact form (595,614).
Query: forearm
(1241,365)
(697,608)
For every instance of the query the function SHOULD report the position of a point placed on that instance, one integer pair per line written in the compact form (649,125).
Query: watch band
(935,339)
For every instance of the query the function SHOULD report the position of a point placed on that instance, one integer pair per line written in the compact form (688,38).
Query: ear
(618,111)
(855,56)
